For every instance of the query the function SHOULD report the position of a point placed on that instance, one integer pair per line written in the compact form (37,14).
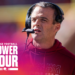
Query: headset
(59,18)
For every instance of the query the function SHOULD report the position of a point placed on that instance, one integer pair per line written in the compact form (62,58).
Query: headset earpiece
(59,18)
(28,23)
(28,18)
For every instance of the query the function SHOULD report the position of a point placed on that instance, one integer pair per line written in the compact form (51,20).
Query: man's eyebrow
(44,18)
(41,17)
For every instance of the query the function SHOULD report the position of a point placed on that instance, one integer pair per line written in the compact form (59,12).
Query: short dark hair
(45,5)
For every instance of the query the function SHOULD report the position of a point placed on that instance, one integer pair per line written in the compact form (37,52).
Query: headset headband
(59,18)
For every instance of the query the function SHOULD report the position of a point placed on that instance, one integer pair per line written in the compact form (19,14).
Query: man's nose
(37,23)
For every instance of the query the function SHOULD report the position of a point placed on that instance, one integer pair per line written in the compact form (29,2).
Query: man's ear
(57,26)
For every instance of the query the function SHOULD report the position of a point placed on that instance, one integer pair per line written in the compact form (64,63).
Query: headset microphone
(28,32)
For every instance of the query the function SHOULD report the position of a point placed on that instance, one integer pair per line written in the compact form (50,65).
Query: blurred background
(13,15)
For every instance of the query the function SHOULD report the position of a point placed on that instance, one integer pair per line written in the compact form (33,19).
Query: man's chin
(36,37)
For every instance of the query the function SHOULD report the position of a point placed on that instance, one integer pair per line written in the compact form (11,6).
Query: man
(45,55)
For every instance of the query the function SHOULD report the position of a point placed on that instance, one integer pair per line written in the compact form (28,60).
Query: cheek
(31,25)
(46,28)
(49,30)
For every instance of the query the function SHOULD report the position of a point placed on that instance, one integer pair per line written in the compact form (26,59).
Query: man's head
(43,21)
(58,13)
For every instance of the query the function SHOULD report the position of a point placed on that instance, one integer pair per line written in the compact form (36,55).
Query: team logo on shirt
(49,69)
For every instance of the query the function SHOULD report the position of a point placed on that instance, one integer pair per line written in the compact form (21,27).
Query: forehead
(40,11)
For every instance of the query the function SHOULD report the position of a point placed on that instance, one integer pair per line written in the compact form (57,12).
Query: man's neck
(43,44)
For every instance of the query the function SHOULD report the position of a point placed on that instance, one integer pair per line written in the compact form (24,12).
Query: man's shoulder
(67,53)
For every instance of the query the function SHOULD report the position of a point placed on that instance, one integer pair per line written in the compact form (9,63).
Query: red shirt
(56,60)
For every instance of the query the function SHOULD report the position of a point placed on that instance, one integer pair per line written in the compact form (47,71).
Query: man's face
(42,23)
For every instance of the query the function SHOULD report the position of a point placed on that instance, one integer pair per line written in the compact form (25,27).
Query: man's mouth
(37,30)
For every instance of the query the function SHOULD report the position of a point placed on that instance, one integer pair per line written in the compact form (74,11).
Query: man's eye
(33,19)
(43,20)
